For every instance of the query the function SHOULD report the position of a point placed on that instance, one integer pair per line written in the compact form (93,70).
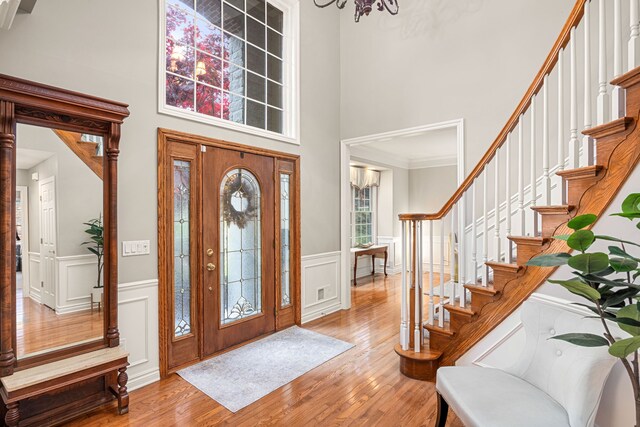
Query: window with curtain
(364,185)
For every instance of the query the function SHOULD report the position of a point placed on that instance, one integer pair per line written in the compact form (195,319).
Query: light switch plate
(135,247)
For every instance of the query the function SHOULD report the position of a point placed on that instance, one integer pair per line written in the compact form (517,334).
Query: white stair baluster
(587,141)
(452,255)
(404,326)
(462,255)
(431,293)
(485,228)
(442,295)
(602,112)
(417,342)
(507,180)
(546,180)
(496,213)
(474,234)
(574,153)
(561,155)
(617,95)
(521,176)
(634,41)
(532,159)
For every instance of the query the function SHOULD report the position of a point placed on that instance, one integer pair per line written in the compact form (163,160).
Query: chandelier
(364,7)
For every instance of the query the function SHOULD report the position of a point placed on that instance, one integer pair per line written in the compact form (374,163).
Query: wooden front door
(229,245)
(238,247)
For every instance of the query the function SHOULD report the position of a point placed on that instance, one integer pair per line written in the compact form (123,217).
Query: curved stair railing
(528,184)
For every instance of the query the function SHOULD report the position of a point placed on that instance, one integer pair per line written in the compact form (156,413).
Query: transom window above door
(231,63)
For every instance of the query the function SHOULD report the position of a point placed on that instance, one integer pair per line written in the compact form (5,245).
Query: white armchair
(553,383)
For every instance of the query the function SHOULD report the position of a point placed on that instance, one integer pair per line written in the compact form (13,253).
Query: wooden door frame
(26,278)
(167,136)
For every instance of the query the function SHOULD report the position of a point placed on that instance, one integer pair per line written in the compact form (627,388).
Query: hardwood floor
(39,328)
(362,386)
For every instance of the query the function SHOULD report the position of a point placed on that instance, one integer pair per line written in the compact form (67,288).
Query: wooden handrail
(563,39)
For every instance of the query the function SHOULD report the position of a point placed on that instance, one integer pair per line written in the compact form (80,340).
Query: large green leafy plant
(96,242)
(608,282)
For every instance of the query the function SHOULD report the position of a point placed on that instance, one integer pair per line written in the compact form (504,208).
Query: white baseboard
(142,379)
(316,314)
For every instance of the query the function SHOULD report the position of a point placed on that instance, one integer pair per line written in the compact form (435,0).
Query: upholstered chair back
(574,376)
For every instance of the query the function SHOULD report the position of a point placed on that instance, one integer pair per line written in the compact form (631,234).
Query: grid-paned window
(362,227)
(224,59)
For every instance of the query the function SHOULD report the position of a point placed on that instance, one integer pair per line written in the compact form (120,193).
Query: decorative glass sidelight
(181,230)
(285,249)
(240,246)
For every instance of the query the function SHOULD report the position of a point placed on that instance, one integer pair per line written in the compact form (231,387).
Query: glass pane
(233,107)
(240,254)
(233,78)
(274,120)
(274,94)
(256,9)
(256,87)
(274,43)
(210,9)
(233,21)
(256,114)
(179,92)
(237,3)
(209,38)
(255,32)
(274,18)
(179,59)
(180,25)
(274,68)
(285,253)
(208,69)
(181,264)
(208,100)
(256,60)
(233,49)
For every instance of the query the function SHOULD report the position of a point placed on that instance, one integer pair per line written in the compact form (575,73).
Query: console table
(375,251)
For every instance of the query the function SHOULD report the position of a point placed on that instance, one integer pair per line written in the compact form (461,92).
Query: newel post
(7,237)
(110,177)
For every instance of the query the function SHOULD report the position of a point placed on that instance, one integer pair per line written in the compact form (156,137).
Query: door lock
(211,266)
(209,252)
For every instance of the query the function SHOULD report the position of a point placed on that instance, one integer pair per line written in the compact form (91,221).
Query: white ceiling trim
(403,133)
(8,10)
(433,162)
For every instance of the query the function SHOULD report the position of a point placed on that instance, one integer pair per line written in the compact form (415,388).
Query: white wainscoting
(34,276)
(76,278)
(394,259)
(321,289)
(504,343)
(138,324)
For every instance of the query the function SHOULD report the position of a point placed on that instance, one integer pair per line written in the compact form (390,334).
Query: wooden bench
(39,381)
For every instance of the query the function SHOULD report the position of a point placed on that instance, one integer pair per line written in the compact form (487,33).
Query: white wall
(110,49)
(430,188)
(442,60)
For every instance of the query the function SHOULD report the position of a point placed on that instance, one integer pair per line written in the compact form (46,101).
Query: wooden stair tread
(579,173)
(627,79)
(426,354)
(454,308)
(435,329)
(49,371)
(504,266)
(485,290)
(608,129)
(553,210)
(529,240)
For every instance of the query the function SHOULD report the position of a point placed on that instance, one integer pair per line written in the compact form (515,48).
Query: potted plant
(608,282)
(96,242)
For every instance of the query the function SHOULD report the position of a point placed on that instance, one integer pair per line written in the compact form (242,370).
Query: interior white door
(48,241)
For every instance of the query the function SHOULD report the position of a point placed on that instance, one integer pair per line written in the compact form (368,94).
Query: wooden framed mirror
(39,123)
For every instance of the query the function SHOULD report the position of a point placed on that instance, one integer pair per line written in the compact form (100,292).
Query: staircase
(519,195)
(87,147)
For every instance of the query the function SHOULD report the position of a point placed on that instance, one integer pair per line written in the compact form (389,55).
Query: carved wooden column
(110,178)
(7,237)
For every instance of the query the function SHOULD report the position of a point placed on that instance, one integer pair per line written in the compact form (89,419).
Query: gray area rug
(240,377)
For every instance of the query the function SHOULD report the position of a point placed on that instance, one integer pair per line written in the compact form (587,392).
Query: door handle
(211,266)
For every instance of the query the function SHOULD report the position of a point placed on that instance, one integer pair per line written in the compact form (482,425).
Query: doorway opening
(229,245)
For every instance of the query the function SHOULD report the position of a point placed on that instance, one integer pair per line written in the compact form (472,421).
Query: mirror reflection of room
(59,287)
